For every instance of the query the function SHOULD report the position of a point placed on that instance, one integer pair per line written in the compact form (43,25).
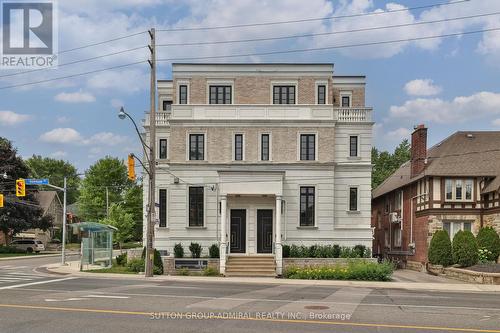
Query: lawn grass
(113,269)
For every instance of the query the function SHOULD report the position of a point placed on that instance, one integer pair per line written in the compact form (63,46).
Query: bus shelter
(97,243)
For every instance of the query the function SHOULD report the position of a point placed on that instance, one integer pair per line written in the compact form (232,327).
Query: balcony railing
(262,112)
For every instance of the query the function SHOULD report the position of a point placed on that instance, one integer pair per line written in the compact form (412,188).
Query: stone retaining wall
(169,265)
(308,262)
(472,276)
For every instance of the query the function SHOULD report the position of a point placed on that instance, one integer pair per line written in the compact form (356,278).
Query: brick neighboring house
(254,156)
(454,185)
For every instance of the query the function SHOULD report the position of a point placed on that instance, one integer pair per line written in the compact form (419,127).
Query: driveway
(406,275)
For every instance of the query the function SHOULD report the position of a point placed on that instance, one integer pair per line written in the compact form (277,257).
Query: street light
(151,204)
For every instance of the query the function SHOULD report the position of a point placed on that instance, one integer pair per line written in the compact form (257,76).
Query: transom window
(163,149)
(163,208)
(283,94)
(353,199)
(353,146)
(453,227)
(183,94)
(264,147)
(459,189)
(196,206)
(307,147)
(307,205)
(196,147)
(220,94)
(238,147)
(321,94)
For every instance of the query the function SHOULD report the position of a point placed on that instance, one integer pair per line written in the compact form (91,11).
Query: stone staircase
(251,266)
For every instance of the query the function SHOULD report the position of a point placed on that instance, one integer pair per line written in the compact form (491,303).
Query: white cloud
(399,134)
(62,135)
(62,120)
(496,122)
(458,110)
(106,138)
(422,87)
(75,97)
(11,118)
(59,154)
(116,103)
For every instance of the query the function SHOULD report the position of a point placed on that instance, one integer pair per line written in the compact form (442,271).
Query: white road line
(12,267)
(14,279)
(106,296)
(36,283)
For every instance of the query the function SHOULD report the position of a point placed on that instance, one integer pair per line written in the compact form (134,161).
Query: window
(238,147)
(398,200)
(307,206)
(283,94)
(307,147)
(196,147)
(353,199)
(163,208)
(346,101)
(167,105)
(397,237)
(353,146)
(183,94)
(459,189)
(452,227)
(468,189)
(196,206)
(220,95)
(449,189)
(387,240)
(163,149)
(264,147)
(321,94)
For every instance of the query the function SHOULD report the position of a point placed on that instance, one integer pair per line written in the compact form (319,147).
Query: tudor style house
(254,156)
(455,185)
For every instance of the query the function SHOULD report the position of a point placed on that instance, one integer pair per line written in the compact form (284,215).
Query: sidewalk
(451,286)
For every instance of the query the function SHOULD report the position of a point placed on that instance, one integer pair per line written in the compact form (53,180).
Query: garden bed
(487,268)
(360,270)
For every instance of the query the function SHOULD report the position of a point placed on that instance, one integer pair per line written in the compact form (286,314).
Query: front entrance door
(238,231)
(264,231)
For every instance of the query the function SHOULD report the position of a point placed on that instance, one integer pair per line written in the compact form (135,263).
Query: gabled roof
(45,199)
(467,154)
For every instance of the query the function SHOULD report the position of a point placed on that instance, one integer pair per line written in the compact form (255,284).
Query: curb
(31,257)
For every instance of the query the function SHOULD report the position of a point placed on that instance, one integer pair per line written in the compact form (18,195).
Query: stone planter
(435,269)
(472,276)
(195,266)
(311,262)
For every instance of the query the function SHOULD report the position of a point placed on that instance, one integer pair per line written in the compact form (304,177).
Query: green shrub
(484,254)
(121,260)
(358,270)
(440,249)
(157,261)
(325,251)
(213,251)
(286,251)
(210,271)
(294,251)
(488,238)
(359,251)
(178,250)
(464,249)
(136,265)
(183,271)
(195,250)
(336,251)
(10,249)
(346,252)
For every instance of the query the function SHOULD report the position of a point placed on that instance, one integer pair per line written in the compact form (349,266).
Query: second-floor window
(163,149)
(307,206)
(283,94)
(220,94)
(307,147)
(321,94)
(458,189)
(346,101)
(353,199)
(353,146)
(238,147)
(196,206)
(183,94)
(196,147)
(264,147)
(167,105)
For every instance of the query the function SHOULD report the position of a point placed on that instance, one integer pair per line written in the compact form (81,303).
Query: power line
(326,33)
(331,47)
(315,19)
(103,42)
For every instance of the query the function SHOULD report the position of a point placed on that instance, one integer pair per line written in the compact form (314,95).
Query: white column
(223,241)
(278,249)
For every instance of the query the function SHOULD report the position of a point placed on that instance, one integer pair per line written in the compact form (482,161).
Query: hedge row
(325,251)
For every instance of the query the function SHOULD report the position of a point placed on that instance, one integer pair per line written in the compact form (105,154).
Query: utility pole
(107,202)
(63,251)
(152,158)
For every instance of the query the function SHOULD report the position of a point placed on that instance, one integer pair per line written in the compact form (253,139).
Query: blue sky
(448,84)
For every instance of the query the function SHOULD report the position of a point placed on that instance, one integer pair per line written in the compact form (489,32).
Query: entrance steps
(251,266)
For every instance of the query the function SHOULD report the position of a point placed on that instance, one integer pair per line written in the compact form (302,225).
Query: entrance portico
(250,218)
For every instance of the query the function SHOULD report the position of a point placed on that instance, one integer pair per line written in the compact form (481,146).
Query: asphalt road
(61,303)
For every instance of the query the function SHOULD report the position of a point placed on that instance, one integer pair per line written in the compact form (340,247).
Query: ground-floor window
(307,206)
(397,237)
(452,227)
(163,208)
(196,206)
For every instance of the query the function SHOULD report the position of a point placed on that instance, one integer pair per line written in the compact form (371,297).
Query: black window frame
(166,105)
(353,146)
(307,153)
(284,94)
(183,94)
(353,204)
(348,101)
(196,206)
(163,208)
(307,206)
(195,154)
(238,147)
(321,93)
(163,150)
(265,149)
(220,94)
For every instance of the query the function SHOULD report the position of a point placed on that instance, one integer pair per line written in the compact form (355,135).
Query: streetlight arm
(144,145)
(140,162)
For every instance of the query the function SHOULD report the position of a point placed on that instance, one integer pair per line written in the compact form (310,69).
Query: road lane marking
(36,283)
(106,296)
(287,321)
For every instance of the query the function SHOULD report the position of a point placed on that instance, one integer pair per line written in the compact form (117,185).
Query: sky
(448,84)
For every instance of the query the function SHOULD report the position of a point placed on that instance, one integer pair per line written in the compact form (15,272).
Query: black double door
(264,231)
(238,231)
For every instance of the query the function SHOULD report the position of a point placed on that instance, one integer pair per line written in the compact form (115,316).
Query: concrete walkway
(406,275)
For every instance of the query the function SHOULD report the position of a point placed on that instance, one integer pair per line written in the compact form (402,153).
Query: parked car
(28,245)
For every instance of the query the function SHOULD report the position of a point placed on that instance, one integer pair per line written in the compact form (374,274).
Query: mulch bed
(487,268)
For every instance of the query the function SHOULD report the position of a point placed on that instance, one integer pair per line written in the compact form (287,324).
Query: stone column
(278,249)
(223,241)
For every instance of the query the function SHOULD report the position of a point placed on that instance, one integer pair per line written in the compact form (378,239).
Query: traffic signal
(131,167)
(1,200)
(20,188)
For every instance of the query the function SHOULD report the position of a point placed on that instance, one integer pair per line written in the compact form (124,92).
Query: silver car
(28,245)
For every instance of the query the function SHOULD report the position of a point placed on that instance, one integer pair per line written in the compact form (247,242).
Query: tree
(465,250)
(108,173)
(440,249)
(385,163)
(18,214)
(133,205)
(122,221)
(55,171)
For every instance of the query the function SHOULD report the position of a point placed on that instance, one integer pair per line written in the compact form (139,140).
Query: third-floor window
(196,147)
(264,147)
(322,94)
(183,94)
(220,94)
(283,94)
(238,147)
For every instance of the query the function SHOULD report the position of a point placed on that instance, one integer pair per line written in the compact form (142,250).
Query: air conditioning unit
(394,218)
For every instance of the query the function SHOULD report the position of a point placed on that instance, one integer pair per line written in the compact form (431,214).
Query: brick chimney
(418,150)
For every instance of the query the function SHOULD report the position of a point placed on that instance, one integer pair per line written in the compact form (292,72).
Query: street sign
(33,181)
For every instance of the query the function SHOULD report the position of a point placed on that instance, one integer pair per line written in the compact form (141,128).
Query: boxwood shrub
(178,250)
(465,250)
(488,239)
(213,251)
(325,251)
(440,249)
